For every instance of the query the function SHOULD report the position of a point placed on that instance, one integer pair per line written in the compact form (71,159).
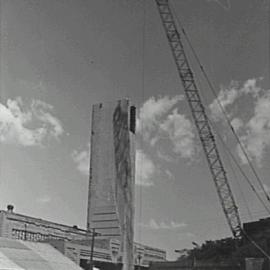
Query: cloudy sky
(58,58)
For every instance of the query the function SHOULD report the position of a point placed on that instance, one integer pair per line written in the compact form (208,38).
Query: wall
(23,227)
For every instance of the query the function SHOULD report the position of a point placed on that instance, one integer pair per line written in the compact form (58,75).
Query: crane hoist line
(201,119)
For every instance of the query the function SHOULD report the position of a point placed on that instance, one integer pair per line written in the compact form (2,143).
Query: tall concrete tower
(112,171)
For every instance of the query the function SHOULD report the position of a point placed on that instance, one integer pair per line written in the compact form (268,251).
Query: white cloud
(82,160)
(253,130)
(168,174)
(145,169)
(164,156)
(184,235)
(159,120)
(41,111)
(44,199)
(189,234)
(226,4)
(180,132)
(237,123)
(154,225)
(227,96)
(151,113)
(250,87)
(266,188)
(16,123)
(257,130)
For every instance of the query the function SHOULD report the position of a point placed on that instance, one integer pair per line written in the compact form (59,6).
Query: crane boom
(201,120)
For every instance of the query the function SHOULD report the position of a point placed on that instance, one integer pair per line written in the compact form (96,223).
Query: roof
(23,255)
(14,215)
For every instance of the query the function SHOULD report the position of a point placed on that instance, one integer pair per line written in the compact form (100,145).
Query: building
(258,229)
(257,232)
(112,174)
(17,226)
(106,255)
(144,255)
(79,252)
(72,241)
(110,199)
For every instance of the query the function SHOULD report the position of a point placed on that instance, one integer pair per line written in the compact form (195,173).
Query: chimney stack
(10,208)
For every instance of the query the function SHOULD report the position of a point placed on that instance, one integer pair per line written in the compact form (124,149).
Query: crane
(201,119)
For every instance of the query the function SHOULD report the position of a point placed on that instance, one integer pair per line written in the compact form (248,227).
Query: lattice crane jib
(200,118)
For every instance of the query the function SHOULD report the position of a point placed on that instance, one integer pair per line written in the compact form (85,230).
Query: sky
(58,58)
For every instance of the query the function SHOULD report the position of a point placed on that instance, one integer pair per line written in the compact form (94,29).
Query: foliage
(223,250)
(215,250)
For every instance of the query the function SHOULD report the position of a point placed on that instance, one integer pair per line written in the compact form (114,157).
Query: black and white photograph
(134,135)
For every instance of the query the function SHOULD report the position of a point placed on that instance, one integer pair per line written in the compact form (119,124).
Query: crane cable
(240,168)
(236,136)
(215,128)
(256,245)
(141,123)
(221,107)
(246,178)
(253,188)
(239,186)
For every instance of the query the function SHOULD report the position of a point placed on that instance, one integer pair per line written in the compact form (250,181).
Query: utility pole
(139,260)
(196,246)
(25,231)
(94,234)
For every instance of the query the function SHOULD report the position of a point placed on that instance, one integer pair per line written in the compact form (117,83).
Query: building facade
(258,229)
(112,174)
(22,227)
(258,232)
(105,255)
(110,197)
(72,241)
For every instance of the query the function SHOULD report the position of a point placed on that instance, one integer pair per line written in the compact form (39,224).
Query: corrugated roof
(23,255)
